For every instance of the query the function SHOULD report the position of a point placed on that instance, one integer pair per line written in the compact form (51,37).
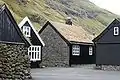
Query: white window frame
(34,52)
(27,31)
(75,50)
(116,31)
(90,50)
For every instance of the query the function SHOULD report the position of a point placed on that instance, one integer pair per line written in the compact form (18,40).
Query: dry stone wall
(108,67)
(14,62)
(55,53)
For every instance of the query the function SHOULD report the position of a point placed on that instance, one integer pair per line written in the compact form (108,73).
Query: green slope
(83,12)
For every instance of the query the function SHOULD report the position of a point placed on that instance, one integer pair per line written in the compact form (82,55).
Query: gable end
(12,26)
(27,22)
(48,23)
(106,30)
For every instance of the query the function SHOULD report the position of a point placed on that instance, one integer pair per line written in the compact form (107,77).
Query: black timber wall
(7,29)
(34,39)
(107,46)
(108,36)
(108,54)
(84,57)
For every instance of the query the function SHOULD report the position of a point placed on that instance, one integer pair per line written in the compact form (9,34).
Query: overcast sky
(111,5)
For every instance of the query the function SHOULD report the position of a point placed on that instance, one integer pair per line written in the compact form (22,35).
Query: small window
(34,53)
(27,31)
(116,31)
(76,50)
(90,50)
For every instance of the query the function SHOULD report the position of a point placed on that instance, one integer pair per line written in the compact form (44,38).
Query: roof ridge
(69,32)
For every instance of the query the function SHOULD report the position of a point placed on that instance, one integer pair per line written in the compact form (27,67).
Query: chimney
(93,35)
(68,21)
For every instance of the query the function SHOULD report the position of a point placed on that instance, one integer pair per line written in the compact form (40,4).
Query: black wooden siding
(107,46)
(108,54)
(8,32)
(108,36)
(84,57)
(34,39)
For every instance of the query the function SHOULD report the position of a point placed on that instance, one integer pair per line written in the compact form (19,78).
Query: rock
(108,67)
(14,62)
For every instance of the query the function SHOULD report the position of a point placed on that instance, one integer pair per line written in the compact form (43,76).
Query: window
(116,30)
(26,31)
(76,50)
(90,50)
(34,53)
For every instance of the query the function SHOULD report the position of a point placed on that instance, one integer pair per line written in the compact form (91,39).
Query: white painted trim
(90,50)
(27,30)
(35,52)
(24,21)
(76,50)
(116,31)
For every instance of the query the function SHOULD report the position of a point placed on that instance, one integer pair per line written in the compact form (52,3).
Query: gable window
(34,53)
(116,31)
(26,31)
(90,50)
(76,50)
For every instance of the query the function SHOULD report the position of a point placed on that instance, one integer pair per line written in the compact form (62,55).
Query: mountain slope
(83,13)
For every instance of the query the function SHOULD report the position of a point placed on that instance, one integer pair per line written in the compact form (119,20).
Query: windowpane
(116,30)
(34,52)
(32,55)
(38,48)
(38,55)
(35,48)
(26,31)
(76,50)
(35,55)
(90,50)
(29,55)
(30,48)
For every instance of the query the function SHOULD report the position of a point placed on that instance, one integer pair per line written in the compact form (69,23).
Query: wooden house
(13,48)
(35,49)
(107,45)
(65,45)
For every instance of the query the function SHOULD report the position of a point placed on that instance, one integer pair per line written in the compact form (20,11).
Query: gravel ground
(74,73)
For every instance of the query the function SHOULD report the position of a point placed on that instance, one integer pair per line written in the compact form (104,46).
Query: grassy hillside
(83,12)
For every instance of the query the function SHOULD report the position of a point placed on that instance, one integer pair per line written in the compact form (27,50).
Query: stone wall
(108,67)
(55,53)
(14,62)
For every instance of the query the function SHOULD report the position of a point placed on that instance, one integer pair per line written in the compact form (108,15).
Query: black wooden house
(107,45)
(35,49)
(65,45)
(9,30)
(13,48)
